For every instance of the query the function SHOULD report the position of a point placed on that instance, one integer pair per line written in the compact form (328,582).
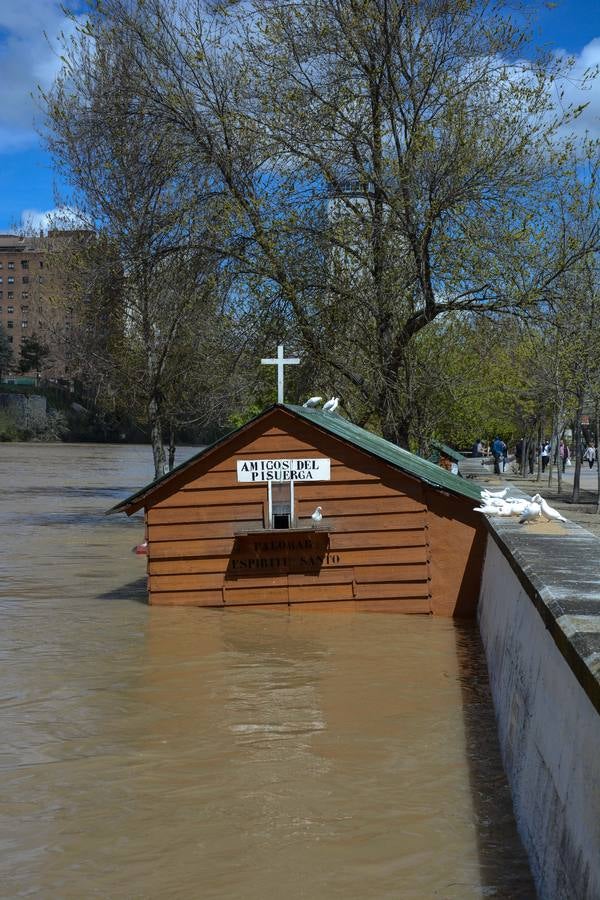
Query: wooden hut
(233,525)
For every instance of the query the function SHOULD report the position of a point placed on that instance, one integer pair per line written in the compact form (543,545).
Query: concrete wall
(539,616)
(28,410)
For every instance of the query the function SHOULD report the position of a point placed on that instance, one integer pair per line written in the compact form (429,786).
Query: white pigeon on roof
(331,405)
(312,402)
(532,511)
(548,511)
(317,516)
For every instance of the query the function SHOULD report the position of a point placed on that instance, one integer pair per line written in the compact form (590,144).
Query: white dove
(532,511)
(312,402)
(548,511)
(331,405)
(495,510)
(317,516)
(518,504)
(486,493)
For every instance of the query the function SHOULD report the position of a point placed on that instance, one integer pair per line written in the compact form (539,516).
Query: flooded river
(180,753)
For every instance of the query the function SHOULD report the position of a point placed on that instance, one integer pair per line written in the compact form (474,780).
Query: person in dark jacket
(498,448)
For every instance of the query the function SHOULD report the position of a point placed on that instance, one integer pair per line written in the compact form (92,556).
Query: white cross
(280,362)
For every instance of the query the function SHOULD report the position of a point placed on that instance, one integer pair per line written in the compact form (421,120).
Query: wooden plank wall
(378,553)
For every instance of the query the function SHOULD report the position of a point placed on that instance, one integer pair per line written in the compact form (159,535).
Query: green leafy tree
(6,353)
(33,356)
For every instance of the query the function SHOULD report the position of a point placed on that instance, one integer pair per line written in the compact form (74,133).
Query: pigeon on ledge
(312,402)
(317,516)
(331,405)
(486,493)
(532,511)
(548,511)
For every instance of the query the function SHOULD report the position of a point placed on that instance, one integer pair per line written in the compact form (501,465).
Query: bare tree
(131,186)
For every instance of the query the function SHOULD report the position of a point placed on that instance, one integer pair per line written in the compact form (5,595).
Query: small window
(24,323)
(10,324)
(11,265)
(11,279)
(25,295)
(25,279)
(10,309)
(281,504)
(0,279)
(10,339)
(24,308)
(41,263)
(11,295)
(1,265)
(24,263)
(1,294)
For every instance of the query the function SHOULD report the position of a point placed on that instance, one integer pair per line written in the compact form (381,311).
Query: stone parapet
(539,616)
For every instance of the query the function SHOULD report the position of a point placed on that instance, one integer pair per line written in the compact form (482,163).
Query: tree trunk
(553,451)
(172,445)
(394,427)
(538,473)
(597,460)
(577,473)
(559,461)
(156,438)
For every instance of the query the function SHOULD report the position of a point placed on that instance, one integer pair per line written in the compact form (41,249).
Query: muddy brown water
(177,753)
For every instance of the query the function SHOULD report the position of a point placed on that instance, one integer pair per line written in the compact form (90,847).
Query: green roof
(345,430)
(391,453)
(448,451)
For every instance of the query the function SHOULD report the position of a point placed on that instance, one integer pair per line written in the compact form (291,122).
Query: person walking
(564,453)
(590,455)
(545,454)
(498,454)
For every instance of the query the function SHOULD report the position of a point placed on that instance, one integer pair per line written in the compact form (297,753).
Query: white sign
(284,470)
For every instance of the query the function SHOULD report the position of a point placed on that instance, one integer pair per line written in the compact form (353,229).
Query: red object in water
(141,549)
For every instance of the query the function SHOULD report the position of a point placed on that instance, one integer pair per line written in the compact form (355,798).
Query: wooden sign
(280,554)
(257,470)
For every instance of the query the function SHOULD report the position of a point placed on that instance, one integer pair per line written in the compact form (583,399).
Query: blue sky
(28,184)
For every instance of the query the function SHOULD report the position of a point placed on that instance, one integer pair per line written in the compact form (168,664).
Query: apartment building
(32,302)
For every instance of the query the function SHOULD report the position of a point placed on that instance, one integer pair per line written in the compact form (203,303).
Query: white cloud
(575,92)
(28,36)
(35,220)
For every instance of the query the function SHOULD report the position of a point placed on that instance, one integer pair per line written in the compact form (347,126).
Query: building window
(11,279)
(25,279)
(10,324)
(11,265)
(0,279)
(24,323)
(11,295)
(24,263)
(24,308)
(10,340)
(1,294)
(281,504)
(25,295)
(41,263)
(41,279)
(10,309)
